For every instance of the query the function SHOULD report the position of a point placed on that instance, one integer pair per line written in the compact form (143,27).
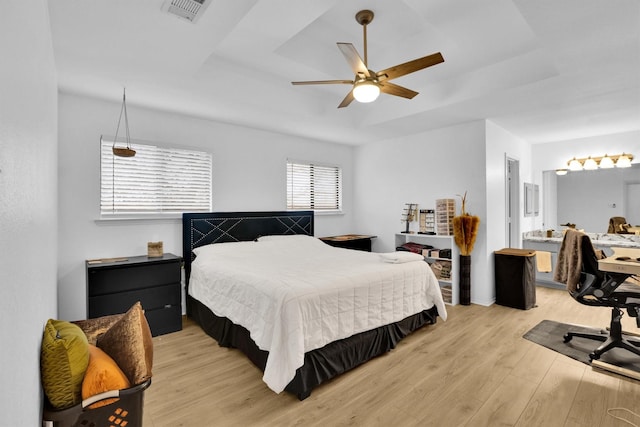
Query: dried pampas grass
(465,229)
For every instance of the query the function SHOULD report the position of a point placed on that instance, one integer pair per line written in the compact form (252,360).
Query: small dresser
(114,285)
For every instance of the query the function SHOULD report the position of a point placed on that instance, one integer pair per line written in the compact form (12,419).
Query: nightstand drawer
(112,280)
(151,298)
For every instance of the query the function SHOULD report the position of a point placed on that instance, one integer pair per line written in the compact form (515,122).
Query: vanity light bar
(591,163)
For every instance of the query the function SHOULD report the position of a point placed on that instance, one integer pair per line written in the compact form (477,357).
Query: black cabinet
(515,275)
(114,285)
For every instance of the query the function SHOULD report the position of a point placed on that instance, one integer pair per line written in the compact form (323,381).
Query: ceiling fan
(368,84)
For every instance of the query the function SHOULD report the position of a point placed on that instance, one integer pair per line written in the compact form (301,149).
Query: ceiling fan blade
(393,89)
(353,58)
(347,100)
(324,82)
(409,67)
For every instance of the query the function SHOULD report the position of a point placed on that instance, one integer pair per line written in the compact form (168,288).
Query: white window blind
(156,180)
(311,186)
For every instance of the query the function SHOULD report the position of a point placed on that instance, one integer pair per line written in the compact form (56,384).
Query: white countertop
(598,239)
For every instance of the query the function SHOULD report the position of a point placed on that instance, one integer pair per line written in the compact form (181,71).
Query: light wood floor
(475,369)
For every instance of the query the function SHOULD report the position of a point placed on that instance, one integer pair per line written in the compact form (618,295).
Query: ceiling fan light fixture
(366,91)
(368,84)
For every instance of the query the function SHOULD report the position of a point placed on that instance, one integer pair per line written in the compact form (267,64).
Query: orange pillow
(103,374)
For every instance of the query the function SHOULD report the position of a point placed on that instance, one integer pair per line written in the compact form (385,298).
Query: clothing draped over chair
(569,262)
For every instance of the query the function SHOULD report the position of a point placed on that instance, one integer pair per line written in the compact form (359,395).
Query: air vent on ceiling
(190,10)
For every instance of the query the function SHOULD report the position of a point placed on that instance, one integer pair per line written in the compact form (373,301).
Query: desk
(607,242)
(360,242)
(614,263)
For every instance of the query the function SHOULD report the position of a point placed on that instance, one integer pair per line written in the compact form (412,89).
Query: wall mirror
(589,198)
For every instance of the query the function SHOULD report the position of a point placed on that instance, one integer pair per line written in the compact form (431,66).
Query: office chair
(578,267)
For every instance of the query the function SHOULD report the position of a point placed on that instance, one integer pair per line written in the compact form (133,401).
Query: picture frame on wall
(531,199)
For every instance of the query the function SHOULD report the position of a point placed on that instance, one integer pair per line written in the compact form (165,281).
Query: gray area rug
(549,333)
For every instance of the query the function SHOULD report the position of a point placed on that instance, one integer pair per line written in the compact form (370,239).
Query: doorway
(632,202)
(512,179)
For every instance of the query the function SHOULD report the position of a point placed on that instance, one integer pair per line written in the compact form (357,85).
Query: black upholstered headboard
(200,229)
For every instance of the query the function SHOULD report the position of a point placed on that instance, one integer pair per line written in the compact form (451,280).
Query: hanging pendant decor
(126,151)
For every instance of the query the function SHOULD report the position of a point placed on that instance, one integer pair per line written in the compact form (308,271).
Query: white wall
(500,145)
(248,174)
(442,164)
(28,149)
(420,169)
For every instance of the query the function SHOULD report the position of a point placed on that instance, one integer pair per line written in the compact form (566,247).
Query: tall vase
(465,279)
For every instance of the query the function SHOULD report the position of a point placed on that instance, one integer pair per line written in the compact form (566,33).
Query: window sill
(172,218)
(323,213)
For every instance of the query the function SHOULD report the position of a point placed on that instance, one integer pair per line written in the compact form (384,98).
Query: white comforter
(296,294)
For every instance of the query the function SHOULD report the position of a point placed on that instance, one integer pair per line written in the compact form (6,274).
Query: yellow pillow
(129,343)
(103,374)
(63,361)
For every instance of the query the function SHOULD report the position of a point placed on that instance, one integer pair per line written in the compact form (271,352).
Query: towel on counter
(543,261)
(400,257)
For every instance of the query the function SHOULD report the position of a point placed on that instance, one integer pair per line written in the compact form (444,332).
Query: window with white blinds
(311,186)
(157,180)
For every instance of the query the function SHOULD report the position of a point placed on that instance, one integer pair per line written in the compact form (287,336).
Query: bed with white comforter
(295,294)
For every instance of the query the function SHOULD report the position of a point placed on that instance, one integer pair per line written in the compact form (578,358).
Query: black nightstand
(360,242)
(114,285)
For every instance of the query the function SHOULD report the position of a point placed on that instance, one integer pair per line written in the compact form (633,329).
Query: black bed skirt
(321,364)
